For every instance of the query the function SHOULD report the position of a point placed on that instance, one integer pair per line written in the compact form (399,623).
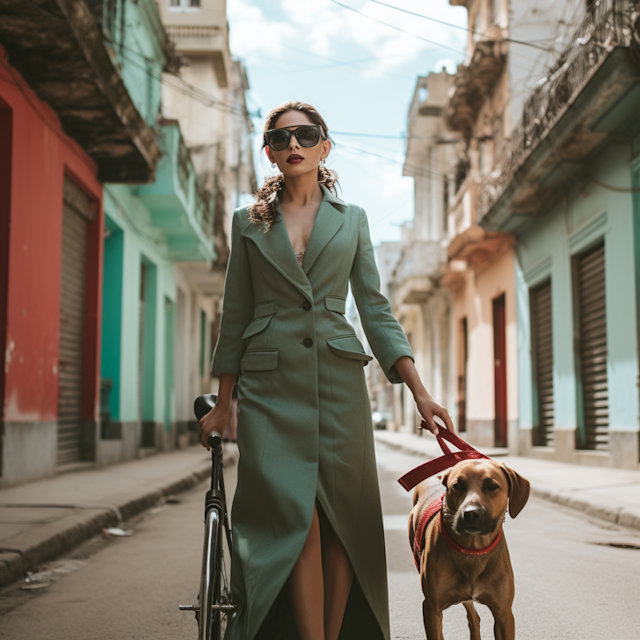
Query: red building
(67,124)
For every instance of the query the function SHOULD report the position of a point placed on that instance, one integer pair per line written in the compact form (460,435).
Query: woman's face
(296,160)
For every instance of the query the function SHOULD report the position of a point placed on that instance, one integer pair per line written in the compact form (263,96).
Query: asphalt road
(569,583)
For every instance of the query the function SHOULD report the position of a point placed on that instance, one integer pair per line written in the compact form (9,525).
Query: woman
(309,558)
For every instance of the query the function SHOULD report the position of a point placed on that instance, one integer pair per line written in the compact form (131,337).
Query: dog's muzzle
(474,519)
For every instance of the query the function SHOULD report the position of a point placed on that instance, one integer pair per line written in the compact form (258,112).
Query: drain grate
(618,545)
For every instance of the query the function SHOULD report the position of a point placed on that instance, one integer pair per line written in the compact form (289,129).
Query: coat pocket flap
(258,325)
(349,347)
(262,360)
(333,303)
(265,309)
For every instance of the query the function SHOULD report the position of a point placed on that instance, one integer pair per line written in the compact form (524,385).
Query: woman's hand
(429,408)
(215,420)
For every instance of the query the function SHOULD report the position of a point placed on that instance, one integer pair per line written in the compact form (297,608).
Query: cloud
(326,29)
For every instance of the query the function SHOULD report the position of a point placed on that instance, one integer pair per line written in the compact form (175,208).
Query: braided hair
(263,210)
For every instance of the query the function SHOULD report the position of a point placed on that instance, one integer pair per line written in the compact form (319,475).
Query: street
(570,583)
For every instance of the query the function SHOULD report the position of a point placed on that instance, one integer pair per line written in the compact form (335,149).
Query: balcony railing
(473,82)
(608,23)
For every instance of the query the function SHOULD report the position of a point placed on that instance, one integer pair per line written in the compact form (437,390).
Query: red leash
(410,479)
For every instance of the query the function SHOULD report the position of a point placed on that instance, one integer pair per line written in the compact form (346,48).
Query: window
(177,5)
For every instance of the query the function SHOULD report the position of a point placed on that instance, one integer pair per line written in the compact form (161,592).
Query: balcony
(589,96)
(58,48)
(473,82)
(201,32)
(425,126)
(177,204)
(468,241)
(419,262)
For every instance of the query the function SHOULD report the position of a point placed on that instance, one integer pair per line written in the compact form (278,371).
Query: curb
(45,543)
(616,515)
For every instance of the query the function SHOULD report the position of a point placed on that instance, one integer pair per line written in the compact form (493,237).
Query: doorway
(500,371)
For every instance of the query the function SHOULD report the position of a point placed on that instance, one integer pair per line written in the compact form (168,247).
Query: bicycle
(214,599)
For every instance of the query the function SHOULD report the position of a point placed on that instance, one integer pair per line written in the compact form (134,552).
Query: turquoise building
(149,228)
(569,189)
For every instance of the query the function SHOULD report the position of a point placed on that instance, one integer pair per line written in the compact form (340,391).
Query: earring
(321,165)
(273,165)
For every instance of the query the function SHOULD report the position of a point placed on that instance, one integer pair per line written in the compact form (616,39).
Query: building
(567,189)
(502,58)
(67,124)
(420,302)
(210,104)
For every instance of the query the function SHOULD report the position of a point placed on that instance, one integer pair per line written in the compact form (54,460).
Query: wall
(585,213)
(41,155)
(475,302)
(139,426)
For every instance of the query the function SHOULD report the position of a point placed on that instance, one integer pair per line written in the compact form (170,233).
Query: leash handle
(445,434)
(410,479)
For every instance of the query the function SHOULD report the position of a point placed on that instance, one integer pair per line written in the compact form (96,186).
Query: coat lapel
(329,219)
(276,247)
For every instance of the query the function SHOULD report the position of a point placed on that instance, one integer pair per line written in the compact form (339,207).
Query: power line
(190,90)
(418,171)
(392,26)
(455,26)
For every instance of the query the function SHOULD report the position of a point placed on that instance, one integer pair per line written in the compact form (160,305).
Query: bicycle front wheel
(215,591)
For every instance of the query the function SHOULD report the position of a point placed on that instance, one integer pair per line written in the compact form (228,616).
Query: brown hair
(263,210)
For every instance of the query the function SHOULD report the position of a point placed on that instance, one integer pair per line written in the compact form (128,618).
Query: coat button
(307,342)
(306,305)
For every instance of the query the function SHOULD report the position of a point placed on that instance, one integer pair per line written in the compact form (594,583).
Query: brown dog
(461,552)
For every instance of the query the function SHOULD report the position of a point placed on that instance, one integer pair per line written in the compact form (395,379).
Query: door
(591,348)
(542,360)
(500,371)
(76,217)
(463,346)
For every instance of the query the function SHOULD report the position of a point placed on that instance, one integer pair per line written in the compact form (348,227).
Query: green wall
(141,243)
(579,217)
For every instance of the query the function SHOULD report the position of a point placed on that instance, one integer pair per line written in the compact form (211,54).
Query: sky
(359,74)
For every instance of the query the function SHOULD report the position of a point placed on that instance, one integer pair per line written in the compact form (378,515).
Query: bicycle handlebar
(202,406)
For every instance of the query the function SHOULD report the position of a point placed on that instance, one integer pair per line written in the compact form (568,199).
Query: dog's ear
(518,490)
(445,478)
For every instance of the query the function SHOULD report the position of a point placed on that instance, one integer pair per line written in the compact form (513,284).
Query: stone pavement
(43,519)
(601,492)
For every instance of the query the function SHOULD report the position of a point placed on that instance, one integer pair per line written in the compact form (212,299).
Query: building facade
(217,130)
(568,191)
(420,302)
(65,127)
(113,231)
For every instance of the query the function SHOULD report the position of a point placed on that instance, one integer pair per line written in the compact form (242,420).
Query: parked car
(379,419)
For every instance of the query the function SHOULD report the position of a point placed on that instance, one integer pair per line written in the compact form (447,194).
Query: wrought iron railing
(607,24)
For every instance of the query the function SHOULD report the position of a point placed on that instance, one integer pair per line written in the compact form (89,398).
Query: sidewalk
(42,519)
(608,494)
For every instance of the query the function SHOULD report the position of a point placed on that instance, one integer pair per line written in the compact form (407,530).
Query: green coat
(304,419)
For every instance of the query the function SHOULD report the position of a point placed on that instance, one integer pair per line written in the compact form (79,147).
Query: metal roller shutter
(592,349)
(77,213)
(542,351)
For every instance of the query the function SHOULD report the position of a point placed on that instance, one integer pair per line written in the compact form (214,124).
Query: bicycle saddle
(204,404)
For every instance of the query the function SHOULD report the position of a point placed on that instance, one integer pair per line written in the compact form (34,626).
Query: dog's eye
(491,486)
(458,486)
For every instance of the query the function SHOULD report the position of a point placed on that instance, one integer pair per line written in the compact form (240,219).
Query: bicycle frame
(215,519)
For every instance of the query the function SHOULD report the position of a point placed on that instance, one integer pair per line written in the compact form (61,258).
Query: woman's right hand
(215,420)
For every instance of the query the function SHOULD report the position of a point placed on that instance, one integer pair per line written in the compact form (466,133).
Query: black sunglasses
(307,135)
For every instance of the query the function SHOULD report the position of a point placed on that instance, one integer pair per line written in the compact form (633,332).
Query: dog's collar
(456,547)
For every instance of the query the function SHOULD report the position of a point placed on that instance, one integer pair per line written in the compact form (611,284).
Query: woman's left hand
(429,408)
